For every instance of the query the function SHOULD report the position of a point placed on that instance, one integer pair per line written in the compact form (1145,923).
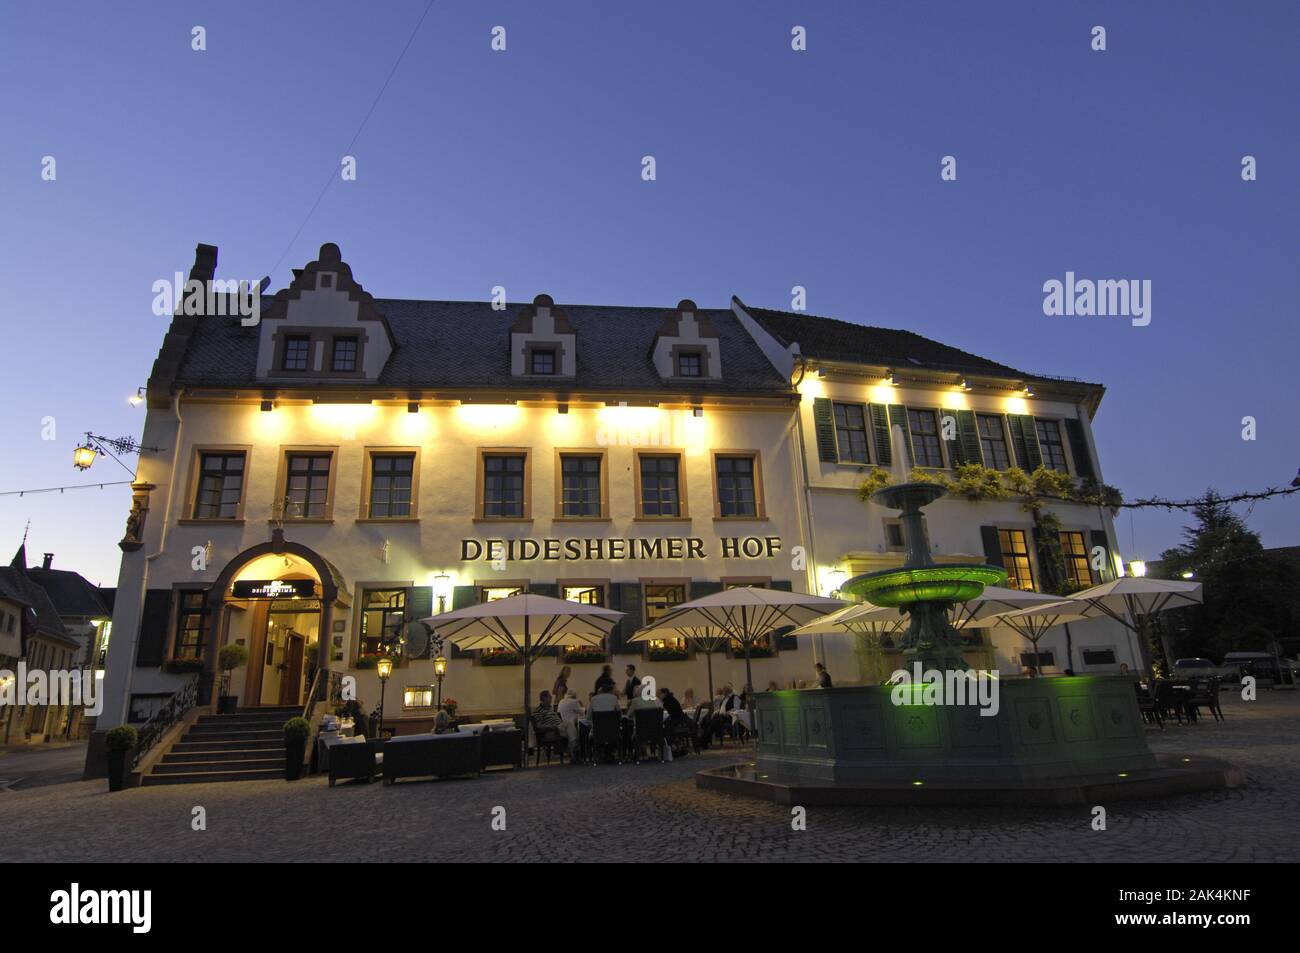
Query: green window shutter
(151,646)
(1050,563)
(1079,449)
(1097,537)
(461,597)
(880,432)
(419,605)
(1024,438)
(786,642)
(992,547)
(898,418)
(706,587)
(966,448)
(824,424)
(627,599)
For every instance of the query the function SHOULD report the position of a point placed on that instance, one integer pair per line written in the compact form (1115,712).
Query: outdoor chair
(1147,707)
(550,740)
(648,728)
(505,746)
(1204,693)
(606,733)
(1168,701)
(353,760)
(681,736)
(704,730)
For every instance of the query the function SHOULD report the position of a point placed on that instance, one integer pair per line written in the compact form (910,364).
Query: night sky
(775,168)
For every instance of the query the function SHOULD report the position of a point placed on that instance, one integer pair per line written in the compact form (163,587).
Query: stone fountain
(1065,740)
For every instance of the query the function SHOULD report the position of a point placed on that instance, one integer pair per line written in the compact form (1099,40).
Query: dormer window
(297,348)
(327,279)
(345,354)
(689,364)
(542,361)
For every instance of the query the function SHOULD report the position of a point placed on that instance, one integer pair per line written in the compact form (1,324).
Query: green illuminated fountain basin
(903,587)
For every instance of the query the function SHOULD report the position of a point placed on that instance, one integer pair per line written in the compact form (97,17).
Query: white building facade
(326,478)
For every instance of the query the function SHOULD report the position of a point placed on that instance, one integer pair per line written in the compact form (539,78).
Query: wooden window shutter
(966,448)
(1024,438)
(898,418)
(155,622)
(824,424)
(1097,537)
(627,599)
(881,435)
(788,642)
(992,548)
(461,597)
(1079,449)
(419,605)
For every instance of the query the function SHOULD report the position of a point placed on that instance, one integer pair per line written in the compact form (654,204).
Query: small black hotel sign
(273,589)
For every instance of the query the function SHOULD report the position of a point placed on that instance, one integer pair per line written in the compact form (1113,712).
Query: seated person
(603,700)
(571,714)
(671,706)
(638,703)
(442,722)
(547,722)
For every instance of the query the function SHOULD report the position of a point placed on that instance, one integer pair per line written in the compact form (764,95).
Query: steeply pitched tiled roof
(48,622)
(70,592)
(465,344)
(830,339)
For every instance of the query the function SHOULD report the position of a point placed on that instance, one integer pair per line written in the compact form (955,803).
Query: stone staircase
(245,746)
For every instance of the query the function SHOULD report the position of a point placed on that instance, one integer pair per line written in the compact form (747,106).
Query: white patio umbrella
(1132,600)
(1033,621)
(526,623)
(744,614)
(702,638)
(996,600)
(871,622)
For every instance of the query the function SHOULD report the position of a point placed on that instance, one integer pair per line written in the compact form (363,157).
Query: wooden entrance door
(291,683)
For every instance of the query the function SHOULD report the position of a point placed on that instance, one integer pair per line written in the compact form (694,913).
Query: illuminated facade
(348,465)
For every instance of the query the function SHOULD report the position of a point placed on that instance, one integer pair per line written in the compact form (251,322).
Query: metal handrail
(331,691)
(181,701)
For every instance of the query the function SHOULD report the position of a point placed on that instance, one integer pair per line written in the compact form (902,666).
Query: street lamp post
(385,669)
(439,669)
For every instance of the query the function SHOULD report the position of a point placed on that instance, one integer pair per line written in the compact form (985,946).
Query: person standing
(561,687)
(632,684)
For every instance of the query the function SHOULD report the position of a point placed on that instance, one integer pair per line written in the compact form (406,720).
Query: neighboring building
(42,644)
(352,464)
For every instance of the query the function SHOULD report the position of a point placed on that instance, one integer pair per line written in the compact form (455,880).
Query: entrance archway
(289,592)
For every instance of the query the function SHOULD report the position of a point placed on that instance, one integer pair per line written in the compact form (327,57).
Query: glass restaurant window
(587,595)
(851,433)
(660,494)
(924,426)
(688,364)
(417,696)
(1015,559)
(1049,441)
(345,354)
(543,361)
(296,349)
(308,485)
(382,613)
(736,490)
(390,484)
(221,481)
(658,600)
(503,485)
(581,487)
(1078,571)
(993,441)
(191,623)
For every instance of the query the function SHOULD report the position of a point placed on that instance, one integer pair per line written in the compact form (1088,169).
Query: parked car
(1194,667)
(1260,665)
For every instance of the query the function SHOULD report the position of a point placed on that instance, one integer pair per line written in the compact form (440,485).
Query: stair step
(287,710)
(249,734)
(191,746)
(248,719)
(206,777)
(212,753)
(219,765)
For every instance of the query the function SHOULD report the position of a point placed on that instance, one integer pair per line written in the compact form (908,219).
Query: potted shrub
(296,733)
(120,741)
(183,666)
(230,657)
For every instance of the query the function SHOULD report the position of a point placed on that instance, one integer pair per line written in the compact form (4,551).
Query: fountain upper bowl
(950,582)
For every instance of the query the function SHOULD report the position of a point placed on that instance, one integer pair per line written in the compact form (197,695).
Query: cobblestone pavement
(653,812)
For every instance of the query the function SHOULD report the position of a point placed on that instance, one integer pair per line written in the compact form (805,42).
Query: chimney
(47,561)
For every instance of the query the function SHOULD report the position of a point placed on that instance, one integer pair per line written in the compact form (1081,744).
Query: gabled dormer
(686,347)
(542,342)
(323,327)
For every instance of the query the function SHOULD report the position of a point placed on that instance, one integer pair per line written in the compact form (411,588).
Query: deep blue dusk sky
(775,169)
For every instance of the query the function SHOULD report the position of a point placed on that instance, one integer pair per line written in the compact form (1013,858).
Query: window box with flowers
(755,651)
(500,657)
(369,660)
(667,654)
(578,654)
(183,666)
